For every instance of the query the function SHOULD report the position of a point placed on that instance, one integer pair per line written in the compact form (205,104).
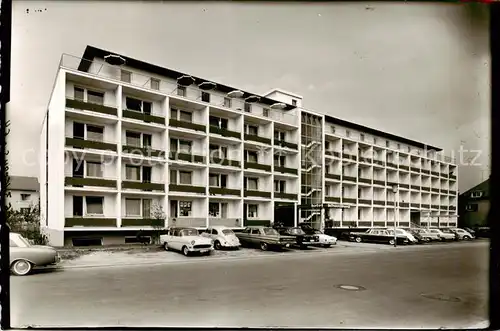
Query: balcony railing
(349,200)
(332,199)
(415,187)
(332,153)
(224,132)
(365,201)
(96,182)
(426,206)
(415,169)
(404,167)
(138,221)
(332,176)
(258,139)
(77,142)
(89,106)
(415,205)
(193,158)
(224,191)
(287,196)
(453,177)
(379,182)
(404,186)
(187,125)
(86,221)
(435,190)
(258,166)
(349,178)
(136,185)
(379,202)
(379,162)
(427,172)
(186,188)
(364,180)
(349,156)
(143,151)
(145,117)
(196,222)
(225,162)
(286,170)
(404,204)
(259,194)
(286,144)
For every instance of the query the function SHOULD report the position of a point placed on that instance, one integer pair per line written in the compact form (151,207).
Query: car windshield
(270,232)
(23,240)
(297,231)
(227,232)
(189,232)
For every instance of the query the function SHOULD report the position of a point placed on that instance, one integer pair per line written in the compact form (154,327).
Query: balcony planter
(332,199)
(286,170)
(82,143)
(287,196)
(187,188)
(225,162)
(148,118)
(99,182)
(89,221)
(260,194)
(142,186)
(142,222)
(253,165)
(332,176)
(77,104)
(258,139)
(286,144)
(187,125)
(147,152)
(187,157)
(224,191)
(225,132)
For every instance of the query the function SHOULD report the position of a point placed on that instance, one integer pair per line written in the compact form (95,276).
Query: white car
(462,234)
(324,239)
(443,235)
(222,236)
(187,241)
(402,232)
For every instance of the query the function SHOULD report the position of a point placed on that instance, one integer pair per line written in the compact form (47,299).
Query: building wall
(17,203)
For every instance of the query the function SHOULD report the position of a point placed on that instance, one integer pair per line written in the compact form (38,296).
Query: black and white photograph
(248,164)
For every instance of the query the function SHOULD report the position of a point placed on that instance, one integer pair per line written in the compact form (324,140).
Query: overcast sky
(417,70)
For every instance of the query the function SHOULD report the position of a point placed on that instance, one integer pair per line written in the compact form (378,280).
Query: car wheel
(391,242)
(185,251)
(21,268)
(217,245)
(327,245)
(358,239)
(467,238)
(263,246)
(165,246)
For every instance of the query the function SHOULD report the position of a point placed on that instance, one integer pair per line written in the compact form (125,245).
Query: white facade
(124,144)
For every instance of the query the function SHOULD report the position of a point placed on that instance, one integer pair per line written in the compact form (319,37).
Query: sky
(416,70)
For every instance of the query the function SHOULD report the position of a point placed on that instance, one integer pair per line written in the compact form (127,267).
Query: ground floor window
(252,211)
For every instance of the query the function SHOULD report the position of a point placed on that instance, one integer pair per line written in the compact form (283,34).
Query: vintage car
(222,236)
(376,235)
(462,234)
(24,256)
(442,235)
(302,239)
(425,235)
(411,238)
(324,239)
(264,237)
(186,240)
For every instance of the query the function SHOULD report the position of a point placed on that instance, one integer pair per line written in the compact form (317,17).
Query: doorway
(284,212)
(415,218)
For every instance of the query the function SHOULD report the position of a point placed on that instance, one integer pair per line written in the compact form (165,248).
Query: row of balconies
(383,203)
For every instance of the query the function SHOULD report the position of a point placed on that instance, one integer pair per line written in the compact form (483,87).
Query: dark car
(302,238)
(377,236)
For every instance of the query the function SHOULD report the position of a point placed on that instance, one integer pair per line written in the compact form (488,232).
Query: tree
(158,222)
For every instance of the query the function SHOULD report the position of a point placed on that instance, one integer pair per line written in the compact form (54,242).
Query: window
(332,129)
(173,177)
(155,84)
(133,207)
(265,112)
(126,76)
(279,160)
(251,130)
(218,151)
(138,105)
(279,135)
(133,138)
(94,205)
(218,122)
(399,146)
(185,116)
(205,96)
(387,143)
(227,102)
(95,97)
(359,214)
(95,133)
(25,196)
(362,137)
(327,145)
(146,208)
(181,90)
(248,107)
(216,209)
(294,102)
(12,243)
(348,133)
(375,141)
(147,140)
(476,194)
(132,172)
(280,186)
(185,177)
(180,146)
(471,207)
(252,211)
(185,208)
(327,190)
(251,156)
(255,231)
(217,180)
(79,93)
(94,169)
(251,184)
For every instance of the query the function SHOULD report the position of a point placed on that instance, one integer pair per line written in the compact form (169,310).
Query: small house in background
(24,192)
(474,205)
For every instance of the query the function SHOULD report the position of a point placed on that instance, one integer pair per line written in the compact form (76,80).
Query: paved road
(293,290)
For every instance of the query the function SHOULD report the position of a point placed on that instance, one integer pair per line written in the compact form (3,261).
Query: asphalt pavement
(439,286)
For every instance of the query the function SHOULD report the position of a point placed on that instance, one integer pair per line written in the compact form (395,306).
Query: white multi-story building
(129,146)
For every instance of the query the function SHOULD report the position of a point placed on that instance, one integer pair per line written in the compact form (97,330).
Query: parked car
(25,256)
(403,232)
(482,232)
(462,234)
(324,239)
(222,236)
(442,235)
(378,236)
(302,239)
(264,237)
(472,232)
(426,235)
(449,231)
(186,240)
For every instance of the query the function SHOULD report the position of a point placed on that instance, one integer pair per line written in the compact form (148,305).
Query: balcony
(187,125)
(176,156)
(186,188)
(453,207)
(333,199)
(286,144)
(332,176)
(435,206)
(143,151)
(444,191)
(390,203)
(427,172)
(435,190)
(225,132)
(148,118)
(365,201)
(224,191)
(379,202)
(415,169)
(379,182)
(98,108)
(225,162)
(415,205)
(349,156)
(426,206)
(98,182)
(136,185)
(258,139)
(349,200)
(404,186)
(434,173)
(286,170)
(404,204)
(332,153)
(364,180)
(258,166)
(391,164)
(452,192)
(415,187)
(283,195)
(259,194)
(404,167)
(128,221)
(90,144)
(454,177)
(78,221)
(390,183)
(379,162)
(349,178)
(425,188)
